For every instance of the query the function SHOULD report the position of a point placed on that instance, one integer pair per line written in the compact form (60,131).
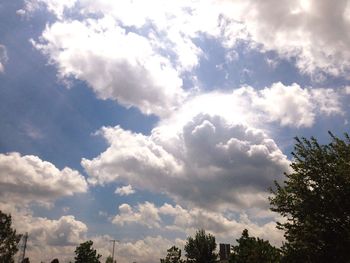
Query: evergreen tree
(314,200)
(201,248)
(173,256)
(86,254)
(8,239)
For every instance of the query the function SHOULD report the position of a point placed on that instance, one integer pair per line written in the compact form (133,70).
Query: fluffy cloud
(208,162)
(28,179)
(124,190)
(187,221)
(3,58)
(149,249)
(56,237)
(146,214)
(313,32)
(291,105)
(208,152)
(116,64)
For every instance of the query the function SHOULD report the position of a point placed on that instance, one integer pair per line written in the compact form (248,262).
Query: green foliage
(254,250)
(201,248)
(173,256)
(109,259)
(315,202)
(86,254)
(8,239)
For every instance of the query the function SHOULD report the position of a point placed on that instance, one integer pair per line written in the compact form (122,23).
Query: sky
(143,121)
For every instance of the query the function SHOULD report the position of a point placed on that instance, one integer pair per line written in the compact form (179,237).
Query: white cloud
(293,105)
(209,152)
(3,58)
(145,214)
(124,190)
(149,249)
(116,64)
(28,179)
(314,32)
(187,221)
(208,162)
(57,7)
(57,237)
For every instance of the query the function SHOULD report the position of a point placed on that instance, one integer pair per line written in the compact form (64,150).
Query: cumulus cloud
(187,221)
(146,214)
(57,237)
(208,152)
(292,105)
(116,64)
(3,58)
(148,249)
(29,179)
(124,190)
(208,162)
(313,32)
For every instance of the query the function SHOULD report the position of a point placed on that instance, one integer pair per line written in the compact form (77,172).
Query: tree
(109,259)
(86,254)
(8,239)
(254,250)
(201,248)
(173,256)
(314,200)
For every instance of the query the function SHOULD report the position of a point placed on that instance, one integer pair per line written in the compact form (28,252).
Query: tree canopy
(254,250)
(201,248)
(8,239)
(173,256)
(314,200)
(109,259)
(85,253)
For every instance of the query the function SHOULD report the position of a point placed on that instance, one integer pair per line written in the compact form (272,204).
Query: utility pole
(23,248)
(113,240)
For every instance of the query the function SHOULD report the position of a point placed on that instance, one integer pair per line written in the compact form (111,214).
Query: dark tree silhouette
(8,239)
(173,256)
(85,253)
(314,200)
(254,250)
(201,248)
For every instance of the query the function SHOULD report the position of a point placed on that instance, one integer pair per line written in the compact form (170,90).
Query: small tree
(109,259)
(86,254)
(201,248)
(173,256)
(254,250)
(314,200)
(8,239)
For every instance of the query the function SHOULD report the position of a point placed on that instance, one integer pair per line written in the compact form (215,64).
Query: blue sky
(143,121)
